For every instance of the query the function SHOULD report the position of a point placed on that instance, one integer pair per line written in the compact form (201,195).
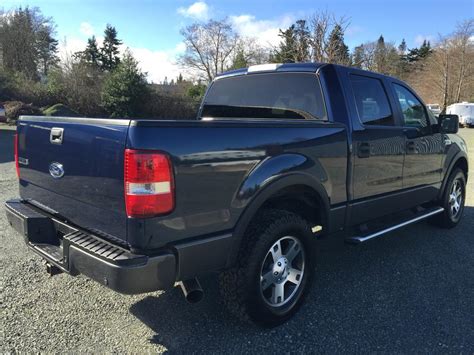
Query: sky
(151,29)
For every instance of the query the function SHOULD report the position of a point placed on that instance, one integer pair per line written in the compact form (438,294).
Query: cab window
(414,114)
(371,101)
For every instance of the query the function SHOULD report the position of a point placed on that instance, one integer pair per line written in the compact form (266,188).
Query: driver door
(424,146)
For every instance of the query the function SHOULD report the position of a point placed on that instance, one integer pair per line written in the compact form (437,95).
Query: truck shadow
(389,294)
(6,145)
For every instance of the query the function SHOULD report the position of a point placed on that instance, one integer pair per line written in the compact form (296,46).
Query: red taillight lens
(149,186)
(15,149)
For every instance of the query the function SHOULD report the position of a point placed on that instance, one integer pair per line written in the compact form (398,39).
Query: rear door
(378,142)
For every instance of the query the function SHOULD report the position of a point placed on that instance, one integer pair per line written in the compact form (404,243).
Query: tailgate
(75,167)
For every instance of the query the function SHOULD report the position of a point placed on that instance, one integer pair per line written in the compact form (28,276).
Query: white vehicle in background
(465,111)
(435,108)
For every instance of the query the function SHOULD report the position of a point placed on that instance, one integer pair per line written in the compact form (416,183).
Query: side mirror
(448,123)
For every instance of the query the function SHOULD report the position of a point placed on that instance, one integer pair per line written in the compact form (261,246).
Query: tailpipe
(192,290)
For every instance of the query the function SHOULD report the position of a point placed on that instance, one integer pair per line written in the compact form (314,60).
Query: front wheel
(274,269)
(453,200)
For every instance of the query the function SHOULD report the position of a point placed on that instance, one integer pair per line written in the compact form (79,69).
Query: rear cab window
(266,95)
(371,101)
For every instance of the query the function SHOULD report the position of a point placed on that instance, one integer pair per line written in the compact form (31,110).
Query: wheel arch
(294,193)
(460,161)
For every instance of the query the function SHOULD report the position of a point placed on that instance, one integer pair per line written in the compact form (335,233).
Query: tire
(451,215)
(263,300)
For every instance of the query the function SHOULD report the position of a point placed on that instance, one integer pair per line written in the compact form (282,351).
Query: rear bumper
(77,252)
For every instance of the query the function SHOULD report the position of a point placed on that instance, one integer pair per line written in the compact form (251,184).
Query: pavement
(411,291)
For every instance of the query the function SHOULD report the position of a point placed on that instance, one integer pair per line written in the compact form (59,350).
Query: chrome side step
(425,214)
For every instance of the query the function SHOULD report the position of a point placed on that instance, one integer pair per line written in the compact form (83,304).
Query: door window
(371,101)
(414,114)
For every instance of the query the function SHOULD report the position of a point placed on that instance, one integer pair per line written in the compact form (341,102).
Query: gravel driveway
(412,291)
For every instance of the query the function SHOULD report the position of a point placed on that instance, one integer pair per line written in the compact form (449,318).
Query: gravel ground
(412,291)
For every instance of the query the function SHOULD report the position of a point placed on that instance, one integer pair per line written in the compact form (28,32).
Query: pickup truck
(279,156)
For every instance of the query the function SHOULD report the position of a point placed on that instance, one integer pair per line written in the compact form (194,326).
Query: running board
(420,216)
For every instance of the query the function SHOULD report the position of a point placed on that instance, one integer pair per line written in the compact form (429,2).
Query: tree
(337,51)
(91,55)
(402,48)
(125,89)
(302,41)
(27,42)
(239,60)
(358,56)
(287,51)
(380,56)
(109,52)
(209,48)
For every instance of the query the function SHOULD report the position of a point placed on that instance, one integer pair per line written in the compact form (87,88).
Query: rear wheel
(274,269)
(453,200)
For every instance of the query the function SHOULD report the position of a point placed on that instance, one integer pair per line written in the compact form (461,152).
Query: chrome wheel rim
(282,271)
(455,198)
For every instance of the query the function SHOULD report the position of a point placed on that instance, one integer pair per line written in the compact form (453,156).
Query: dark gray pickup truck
(279,156)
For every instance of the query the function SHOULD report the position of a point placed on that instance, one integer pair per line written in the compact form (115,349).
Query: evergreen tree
(337,50)
(380,56)
(109,52)
(358,56)
(27,43)
(239,60)
(425,50)
(92,53)
(286,53)
(402,48)
(302,41)
(125,89)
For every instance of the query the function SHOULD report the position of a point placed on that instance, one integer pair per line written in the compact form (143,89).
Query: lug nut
(279,264)
(275,273)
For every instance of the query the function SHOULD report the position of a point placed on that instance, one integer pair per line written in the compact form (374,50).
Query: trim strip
(84,120)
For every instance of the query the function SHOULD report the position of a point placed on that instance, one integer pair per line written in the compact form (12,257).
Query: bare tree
(325,29)
(464,47)
(209,48)
(447,75)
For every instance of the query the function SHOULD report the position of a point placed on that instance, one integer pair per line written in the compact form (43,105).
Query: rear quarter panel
(220,166)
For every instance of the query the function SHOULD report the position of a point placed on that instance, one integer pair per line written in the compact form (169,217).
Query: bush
(15,109)
(60,110)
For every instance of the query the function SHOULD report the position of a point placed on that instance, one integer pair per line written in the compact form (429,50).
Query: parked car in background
(279,156)
(3,115)
(465,111)
(435,108)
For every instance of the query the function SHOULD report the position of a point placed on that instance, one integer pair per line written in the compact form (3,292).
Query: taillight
(15,149)
(149,186)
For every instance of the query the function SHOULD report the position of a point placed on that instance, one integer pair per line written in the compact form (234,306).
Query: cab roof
(273,67)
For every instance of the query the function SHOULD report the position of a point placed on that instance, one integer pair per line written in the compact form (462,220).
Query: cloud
(86,29)
(199,11)
(420,38)
(159,64)
(264,31)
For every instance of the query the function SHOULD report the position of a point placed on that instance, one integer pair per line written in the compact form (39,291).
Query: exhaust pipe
(192,290)
(52,269)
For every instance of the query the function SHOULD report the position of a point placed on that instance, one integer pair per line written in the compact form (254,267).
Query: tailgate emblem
(56,170)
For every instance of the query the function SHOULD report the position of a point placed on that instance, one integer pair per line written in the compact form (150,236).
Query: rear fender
(266,180)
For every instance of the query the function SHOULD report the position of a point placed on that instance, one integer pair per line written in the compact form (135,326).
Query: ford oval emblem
(56,170)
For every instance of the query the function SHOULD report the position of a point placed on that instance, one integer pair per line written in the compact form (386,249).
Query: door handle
(364,150)
(411,147)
